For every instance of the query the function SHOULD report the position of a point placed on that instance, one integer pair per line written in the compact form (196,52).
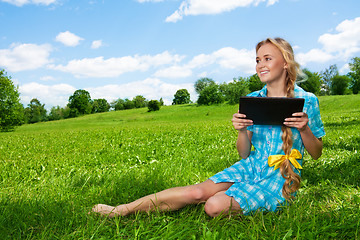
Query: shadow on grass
(30,218)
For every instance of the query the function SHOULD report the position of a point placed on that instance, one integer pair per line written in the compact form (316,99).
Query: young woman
(266,177)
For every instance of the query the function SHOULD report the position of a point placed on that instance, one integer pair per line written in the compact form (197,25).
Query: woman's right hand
(240,122)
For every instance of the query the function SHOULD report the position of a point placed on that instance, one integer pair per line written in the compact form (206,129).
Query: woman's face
(270,64)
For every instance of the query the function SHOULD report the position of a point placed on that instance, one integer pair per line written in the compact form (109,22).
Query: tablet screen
(270,110)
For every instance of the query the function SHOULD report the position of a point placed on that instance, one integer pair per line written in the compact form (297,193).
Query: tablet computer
(270,110)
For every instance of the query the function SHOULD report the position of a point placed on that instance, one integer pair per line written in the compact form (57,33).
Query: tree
(202,83)
(57,113)
(312,83)
(128,104)
(327,77)
(339,85)
(154,105)
(11,110)
(210,95)
(80,103)
(35,112)
(255,83)
(182,96)
(234,90)
(355,75)
(139,101)
(100,105)
(118,104)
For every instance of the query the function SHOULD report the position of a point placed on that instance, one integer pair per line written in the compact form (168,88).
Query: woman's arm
(243,143)
(312,144)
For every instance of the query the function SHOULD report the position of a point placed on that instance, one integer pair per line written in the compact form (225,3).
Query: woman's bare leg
(166,200)
(221,203)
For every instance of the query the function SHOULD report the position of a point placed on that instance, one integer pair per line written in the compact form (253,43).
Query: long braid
(292,180)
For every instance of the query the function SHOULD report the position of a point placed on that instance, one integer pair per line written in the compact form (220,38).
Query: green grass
(53,173)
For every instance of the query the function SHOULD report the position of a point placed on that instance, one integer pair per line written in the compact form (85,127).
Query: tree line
(13,113)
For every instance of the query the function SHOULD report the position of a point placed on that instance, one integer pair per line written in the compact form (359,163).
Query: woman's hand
(240,122)
(299,120)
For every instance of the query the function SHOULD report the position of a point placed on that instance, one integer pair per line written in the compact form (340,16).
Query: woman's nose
(260,64)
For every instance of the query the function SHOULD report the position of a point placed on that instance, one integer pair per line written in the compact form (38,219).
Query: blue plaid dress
(256,185)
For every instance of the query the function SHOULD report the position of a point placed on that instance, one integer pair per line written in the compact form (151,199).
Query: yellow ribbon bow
(276,160)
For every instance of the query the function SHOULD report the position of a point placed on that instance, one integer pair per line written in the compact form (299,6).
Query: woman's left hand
(299,120)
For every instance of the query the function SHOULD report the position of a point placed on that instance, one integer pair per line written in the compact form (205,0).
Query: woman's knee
(221,204)
(213,207)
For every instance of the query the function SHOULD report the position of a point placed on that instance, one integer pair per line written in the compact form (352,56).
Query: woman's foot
(106,210)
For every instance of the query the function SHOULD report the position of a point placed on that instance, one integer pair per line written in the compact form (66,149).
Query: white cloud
(228,57)
(68,39)
(96,44)
(314,55)
(20,3)
(168,64)
(344,69)
(202,60)
(20,57)
(150,88)
(113,67)
(243,59)
(346,41)
(174,72)
(340,46)
(54,95)
(198,7)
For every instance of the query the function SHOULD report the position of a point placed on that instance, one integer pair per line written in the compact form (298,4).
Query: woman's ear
(285,65)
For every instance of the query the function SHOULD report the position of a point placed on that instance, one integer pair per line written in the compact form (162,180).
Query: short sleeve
(250,128)
(313,111)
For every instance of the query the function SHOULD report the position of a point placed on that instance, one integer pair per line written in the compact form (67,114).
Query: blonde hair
(292,180)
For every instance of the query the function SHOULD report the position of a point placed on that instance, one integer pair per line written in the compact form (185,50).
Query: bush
(313,82)
(128,104)
(210,95)
(139,101)
(255,83)
(234,90)
(35,112)
(154,105)
(100,105)
(57,113)
(339,85)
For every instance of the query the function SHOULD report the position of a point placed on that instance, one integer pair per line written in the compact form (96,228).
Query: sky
(123,48)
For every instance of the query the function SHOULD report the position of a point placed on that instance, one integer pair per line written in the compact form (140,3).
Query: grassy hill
(53,173)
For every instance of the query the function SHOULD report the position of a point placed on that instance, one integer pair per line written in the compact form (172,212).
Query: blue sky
(123,48)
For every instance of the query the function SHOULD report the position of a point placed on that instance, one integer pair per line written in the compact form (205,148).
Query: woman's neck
(276,90)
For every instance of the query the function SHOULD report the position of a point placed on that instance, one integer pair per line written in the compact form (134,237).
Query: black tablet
(270,110)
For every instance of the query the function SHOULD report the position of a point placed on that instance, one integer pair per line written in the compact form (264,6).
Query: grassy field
(53,173)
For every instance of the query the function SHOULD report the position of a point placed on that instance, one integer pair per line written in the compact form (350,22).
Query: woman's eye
(267,59)
(257,60)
